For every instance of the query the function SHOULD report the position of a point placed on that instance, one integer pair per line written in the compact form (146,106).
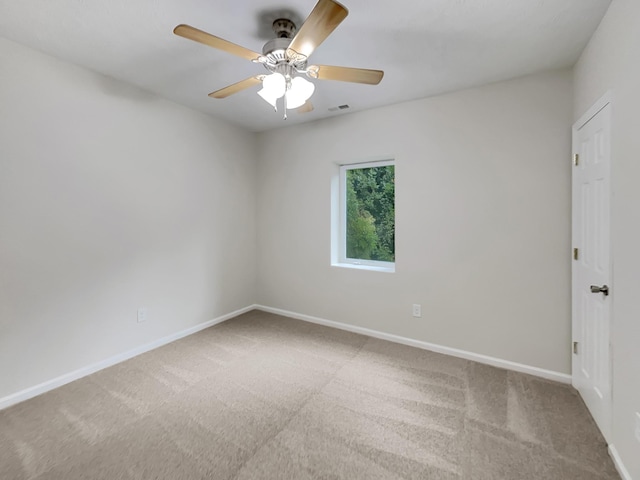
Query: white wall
(110,199)
(610,61)
(482,220)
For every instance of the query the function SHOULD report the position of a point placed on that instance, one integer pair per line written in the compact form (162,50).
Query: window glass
(369,212)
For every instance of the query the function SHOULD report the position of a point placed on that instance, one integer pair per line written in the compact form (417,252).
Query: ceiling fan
(285,58)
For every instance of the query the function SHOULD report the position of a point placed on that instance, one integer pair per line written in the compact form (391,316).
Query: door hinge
(575,348)
(575,253)
(576,159)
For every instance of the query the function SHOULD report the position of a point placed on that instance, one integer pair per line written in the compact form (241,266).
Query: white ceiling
(425,47)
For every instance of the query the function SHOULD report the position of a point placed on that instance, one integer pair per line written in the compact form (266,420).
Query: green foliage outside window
(371,213)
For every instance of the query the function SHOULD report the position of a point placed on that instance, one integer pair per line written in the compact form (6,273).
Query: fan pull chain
(285,99)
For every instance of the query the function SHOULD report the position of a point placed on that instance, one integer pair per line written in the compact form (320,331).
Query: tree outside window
(370,212)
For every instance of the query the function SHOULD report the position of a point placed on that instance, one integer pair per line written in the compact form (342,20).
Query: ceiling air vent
(339,107)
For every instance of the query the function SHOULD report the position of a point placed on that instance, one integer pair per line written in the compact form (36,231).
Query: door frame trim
(597,107)
(602,102)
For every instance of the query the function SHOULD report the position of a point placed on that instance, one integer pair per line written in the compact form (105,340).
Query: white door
(592,262)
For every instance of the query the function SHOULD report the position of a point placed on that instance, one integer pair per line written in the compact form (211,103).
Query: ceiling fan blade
(346,74)
(306,108)
(323,19)
(205,38)
(236,87)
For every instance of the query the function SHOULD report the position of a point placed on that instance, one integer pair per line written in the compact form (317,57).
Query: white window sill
(372,268)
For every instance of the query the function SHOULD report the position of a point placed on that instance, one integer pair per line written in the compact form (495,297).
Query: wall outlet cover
(142,314)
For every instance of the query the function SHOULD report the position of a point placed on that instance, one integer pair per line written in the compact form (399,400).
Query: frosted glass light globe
(273,88)
(299,92)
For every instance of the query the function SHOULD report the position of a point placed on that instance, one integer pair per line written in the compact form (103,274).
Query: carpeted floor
(265,397)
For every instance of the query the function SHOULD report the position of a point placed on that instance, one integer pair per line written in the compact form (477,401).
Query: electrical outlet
(417,310)
(142,314)
(638,426)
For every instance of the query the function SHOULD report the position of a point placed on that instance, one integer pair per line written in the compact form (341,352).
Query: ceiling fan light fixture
(299,92)
(274,87)
(270,100)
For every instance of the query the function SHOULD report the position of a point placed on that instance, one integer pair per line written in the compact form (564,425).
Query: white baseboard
(88,370)
(617,461)
(454,352)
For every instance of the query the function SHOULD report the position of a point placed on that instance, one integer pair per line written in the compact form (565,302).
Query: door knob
(603,289)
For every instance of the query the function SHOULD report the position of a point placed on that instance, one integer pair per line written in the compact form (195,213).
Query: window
(367,215)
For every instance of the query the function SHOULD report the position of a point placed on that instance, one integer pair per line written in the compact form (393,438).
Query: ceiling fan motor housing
(275,50)
(275,45)
(284,28)
(277,60)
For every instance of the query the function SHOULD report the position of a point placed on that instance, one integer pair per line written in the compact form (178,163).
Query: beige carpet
(265,397)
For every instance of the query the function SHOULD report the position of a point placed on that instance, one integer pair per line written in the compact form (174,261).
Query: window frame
(343,260)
